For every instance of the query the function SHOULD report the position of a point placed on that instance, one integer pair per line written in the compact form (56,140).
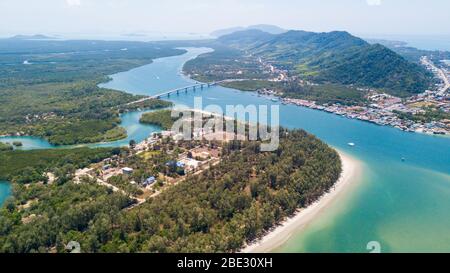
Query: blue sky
(370,17)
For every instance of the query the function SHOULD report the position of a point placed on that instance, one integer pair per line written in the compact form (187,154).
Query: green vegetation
(72,61)
(76,113)
(236,201)
(56,95)
(29,166)
(431,114)
(67,132)
(374,66)
(59,213)
(222,64)
(145,105)
(326,93)
(322,93)
(5,147)
(160,118)
(334,57)
(122,182)
(253,85)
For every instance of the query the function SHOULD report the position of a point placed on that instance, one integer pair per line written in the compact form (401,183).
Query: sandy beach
(351,171)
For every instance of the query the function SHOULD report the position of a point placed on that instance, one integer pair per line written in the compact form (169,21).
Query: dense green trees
(160,118)
(67,114)
(5,147)
(57,97)
(59,215)
(73,61)
(373,66)
(430,114)
(325,93)
(217,211)
(335,57)
(253,85)
(27,164)
(321,93)
(224,63)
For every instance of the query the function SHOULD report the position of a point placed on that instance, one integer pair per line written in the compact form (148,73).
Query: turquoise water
(29,143)
(5,191)
(403,205)
(129,121)
(135,131)
(162,75)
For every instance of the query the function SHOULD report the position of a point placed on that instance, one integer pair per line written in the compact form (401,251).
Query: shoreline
(311,105)
(351,171)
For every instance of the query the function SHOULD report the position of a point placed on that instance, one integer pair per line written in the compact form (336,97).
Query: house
(190,164)
(127,170)
(201,154)
(171,163)
(178,137)
(166,133)
(181,164)
(149,181)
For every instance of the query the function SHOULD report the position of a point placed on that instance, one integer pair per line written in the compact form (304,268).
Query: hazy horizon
(201,17)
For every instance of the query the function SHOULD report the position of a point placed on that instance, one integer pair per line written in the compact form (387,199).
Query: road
(441,73)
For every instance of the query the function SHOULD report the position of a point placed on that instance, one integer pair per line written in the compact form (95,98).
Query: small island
(17,144)
(162,119)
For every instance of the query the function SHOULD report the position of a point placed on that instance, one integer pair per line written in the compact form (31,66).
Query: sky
(115,17)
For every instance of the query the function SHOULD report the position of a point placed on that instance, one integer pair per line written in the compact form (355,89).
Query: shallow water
(5,191)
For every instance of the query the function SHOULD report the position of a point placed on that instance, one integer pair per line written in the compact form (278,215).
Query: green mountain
(335,57)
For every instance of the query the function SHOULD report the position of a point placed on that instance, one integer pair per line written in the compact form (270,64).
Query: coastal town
(161,161)
(427,112)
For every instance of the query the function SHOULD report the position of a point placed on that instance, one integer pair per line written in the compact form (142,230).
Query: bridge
(185,89)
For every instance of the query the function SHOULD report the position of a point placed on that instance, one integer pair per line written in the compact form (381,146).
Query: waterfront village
(157,163)
(385,109)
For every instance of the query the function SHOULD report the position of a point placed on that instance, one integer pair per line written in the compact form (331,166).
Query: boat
(351,144)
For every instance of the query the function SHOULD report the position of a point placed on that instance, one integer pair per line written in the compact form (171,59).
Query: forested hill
(336,57)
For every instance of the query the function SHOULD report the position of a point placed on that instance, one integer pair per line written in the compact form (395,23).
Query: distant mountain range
(336,57)
(266,28)
(32,37)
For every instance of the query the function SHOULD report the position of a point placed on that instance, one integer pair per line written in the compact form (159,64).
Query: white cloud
(73,3)
(373,2)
